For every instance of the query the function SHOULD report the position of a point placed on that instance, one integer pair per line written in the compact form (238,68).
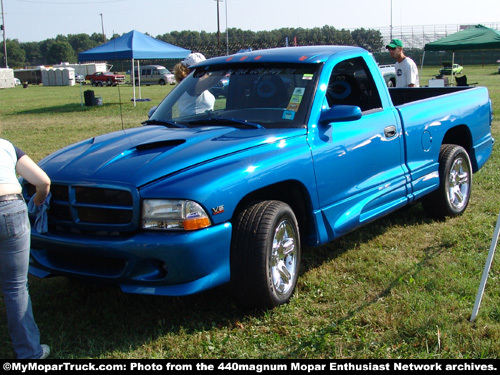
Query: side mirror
(340,113)
(151,111)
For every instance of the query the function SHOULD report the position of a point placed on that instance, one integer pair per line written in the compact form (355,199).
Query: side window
(351,83)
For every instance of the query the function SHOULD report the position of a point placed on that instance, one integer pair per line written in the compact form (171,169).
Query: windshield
(241,95)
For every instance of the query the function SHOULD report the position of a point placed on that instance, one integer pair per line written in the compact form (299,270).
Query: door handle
(390,131)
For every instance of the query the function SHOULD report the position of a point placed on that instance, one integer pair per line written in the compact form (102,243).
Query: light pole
(218,24)
(227,33)
(391,20)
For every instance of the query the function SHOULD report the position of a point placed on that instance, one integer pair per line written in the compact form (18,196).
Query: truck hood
(140,155)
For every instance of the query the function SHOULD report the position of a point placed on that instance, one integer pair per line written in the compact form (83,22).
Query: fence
(413,37)
(416,37)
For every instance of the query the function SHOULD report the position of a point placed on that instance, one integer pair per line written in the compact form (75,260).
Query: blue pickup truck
(307,145)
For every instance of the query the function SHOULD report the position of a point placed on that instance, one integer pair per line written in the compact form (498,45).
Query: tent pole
(452,63)
(486,271)
(133,78)
(139,78)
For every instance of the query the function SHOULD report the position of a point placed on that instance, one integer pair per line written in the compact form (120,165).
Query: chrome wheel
(283,263)
(459,183)
(455,183)
(265,255)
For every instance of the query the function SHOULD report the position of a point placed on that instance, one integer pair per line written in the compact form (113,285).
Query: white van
(153,75)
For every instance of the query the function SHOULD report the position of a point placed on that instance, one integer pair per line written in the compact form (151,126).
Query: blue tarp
(133,46)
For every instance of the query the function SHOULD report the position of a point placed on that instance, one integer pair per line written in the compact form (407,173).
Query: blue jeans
(14,262)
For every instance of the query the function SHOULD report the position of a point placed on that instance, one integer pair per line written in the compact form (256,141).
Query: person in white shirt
(406,69)
(194,102)
(15,243)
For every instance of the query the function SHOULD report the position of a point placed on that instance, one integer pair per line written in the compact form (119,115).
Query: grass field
(401,287)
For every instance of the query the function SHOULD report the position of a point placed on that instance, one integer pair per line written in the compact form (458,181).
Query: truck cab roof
(306,54)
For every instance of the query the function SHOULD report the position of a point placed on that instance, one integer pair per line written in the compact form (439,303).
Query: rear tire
(455,183)
(265,255)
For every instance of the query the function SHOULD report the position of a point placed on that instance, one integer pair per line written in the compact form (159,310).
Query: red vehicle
(105,78)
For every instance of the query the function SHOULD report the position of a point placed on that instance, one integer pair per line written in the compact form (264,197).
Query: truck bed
(405,95)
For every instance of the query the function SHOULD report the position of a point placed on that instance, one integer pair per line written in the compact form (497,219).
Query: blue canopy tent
(133,46)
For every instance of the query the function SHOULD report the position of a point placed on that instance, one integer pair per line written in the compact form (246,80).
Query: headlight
(170,214)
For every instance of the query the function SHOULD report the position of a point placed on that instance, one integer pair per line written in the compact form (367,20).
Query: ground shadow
(66,108)
(82,320)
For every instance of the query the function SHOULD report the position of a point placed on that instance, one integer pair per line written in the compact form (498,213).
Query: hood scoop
(160,145)
(153,148)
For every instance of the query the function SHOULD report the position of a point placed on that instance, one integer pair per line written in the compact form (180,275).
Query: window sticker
(298,94)
(294,103)
(288,115)
(307,77)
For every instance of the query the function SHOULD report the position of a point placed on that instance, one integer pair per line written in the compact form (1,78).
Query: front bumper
(157,263)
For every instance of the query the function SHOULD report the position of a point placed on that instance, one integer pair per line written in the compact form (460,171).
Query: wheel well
(460,135)
(292,193)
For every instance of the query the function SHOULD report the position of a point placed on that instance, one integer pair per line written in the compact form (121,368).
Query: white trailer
(84,69)
(6,78)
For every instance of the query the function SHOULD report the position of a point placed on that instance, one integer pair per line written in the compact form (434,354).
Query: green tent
(478,37)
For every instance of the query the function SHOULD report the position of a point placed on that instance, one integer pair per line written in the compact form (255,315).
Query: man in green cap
(406,69)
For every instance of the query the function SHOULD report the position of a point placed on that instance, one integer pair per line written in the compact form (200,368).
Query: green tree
(15,54)
(34,56)
(369,39)
(60,51)
(81,42)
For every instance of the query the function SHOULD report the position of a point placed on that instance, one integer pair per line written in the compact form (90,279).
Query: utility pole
(4,40)
(102,25)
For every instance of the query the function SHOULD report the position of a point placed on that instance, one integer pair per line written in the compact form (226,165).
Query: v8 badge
(218,210)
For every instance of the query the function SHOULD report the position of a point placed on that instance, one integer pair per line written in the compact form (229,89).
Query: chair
(462,81)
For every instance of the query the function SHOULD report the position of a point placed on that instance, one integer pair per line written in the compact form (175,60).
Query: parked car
(17,81)
(220,89)
(105,78)
(154,75)
(79,78)
(446,69)
(389,74)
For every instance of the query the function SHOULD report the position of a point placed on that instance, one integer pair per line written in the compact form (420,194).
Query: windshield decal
(296,98)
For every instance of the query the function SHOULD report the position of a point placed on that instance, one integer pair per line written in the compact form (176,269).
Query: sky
(37,20)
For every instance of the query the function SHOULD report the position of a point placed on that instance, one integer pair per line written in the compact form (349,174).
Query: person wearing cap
(406,69)
(191,103)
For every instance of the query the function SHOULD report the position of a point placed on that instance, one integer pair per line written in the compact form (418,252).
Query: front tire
(265,255)
(455,183)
